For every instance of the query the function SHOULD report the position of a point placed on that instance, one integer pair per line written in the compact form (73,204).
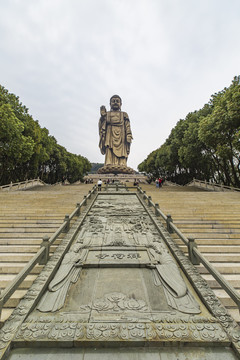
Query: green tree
(220,132)
(15,148)
(205,145)
(28,151)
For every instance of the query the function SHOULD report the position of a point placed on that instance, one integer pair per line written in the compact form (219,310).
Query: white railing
(170,183)
(211,186)
(22,185)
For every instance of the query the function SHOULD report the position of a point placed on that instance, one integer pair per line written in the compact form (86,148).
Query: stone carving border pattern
(74,331)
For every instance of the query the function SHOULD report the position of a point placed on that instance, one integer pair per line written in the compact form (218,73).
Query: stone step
(224,298)
(233,279)
(8,257)
(6,279)
(201,215)
(215,225)
(32,217)
(29,222)
(18,249)
(25,235)
(231,258)
(229,218)
(6,312)
(213,242)
(11,232)
(13,249)
(221,233)
(207,224)
(24,241)
(12,257)
(208,235)
(216,256)
(36,230)
(16,267)
(223,268)
(234,312)
(224,249)
(15,298)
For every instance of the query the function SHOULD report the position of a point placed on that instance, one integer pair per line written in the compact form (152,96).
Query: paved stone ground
(212,218)
(118,284)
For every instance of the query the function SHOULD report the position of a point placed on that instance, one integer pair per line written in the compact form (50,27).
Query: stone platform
(123,282)
(115,169)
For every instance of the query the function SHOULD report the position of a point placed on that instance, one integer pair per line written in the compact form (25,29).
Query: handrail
(11,288)
(211,185)
(171,183)
(42,255)
(18,184)
(25,183)
(220,279)
(195,255)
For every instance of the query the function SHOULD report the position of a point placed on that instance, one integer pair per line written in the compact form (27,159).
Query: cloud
(65,58)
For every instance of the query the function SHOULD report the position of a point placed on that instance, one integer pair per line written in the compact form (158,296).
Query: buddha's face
(115,103)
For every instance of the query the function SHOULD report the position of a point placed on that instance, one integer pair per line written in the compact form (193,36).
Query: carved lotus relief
(116,302)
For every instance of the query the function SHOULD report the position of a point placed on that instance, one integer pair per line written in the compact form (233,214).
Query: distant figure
(115,133)
(99,185)
(135,182)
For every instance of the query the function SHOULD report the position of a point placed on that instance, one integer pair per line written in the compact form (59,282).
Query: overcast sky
(165,58)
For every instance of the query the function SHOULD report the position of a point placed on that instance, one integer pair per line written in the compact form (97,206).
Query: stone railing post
(168,221)
(191,245)
(67,226)
(156,210)
(149,201)
(46,245)
(78,209)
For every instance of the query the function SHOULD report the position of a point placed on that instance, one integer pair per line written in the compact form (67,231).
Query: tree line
(205,145)
(95,167)
(27,150)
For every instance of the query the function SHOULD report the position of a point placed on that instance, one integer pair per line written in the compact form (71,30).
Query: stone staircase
(213,219)
(25,217)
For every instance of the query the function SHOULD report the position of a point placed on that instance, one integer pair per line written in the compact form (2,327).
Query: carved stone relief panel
(119,281)
(116,256)
(118,233)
